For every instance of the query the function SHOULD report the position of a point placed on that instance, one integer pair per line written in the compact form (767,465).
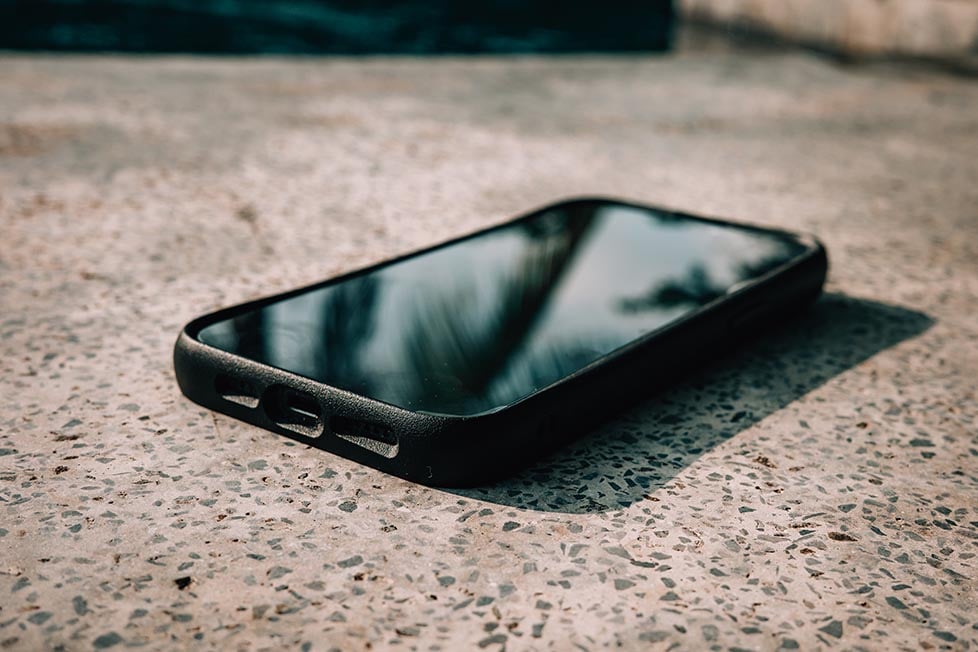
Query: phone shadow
(639,452)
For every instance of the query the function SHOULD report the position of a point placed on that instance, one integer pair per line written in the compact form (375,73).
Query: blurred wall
(925,28)
(336,26)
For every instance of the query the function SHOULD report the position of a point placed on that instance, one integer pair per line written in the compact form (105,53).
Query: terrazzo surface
(817,489)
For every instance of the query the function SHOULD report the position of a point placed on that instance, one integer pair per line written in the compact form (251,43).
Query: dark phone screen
(481,323)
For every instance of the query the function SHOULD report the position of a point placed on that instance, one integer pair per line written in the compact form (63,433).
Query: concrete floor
(817,489)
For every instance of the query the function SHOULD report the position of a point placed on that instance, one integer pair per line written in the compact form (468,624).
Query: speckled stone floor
(818,489)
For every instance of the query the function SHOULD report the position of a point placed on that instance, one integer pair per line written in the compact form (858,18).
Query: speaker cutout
(372,436)
(236,390)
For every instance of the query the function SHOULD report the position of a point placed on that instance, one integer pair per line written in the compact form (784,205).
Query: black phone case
(465,451)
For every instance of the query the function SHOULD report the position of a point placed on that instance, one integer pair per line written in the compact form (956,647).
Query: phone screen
(478,324)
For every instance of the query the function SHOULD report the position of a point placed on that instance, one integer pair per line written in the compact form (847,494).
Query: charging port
(294,410)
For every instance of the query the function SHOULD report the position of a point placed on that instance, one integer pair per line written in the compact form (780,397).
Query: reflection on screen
(479,324)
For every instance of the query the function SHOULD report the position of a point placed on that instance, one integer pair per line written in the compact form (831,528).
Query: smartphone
(463,362)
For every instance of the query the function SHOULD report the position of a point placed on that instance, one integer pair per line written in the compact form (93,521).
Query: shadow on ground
(641,451)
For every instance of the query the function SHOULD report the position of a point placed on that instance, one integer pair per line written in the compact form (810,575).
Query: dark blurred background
(335,26)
